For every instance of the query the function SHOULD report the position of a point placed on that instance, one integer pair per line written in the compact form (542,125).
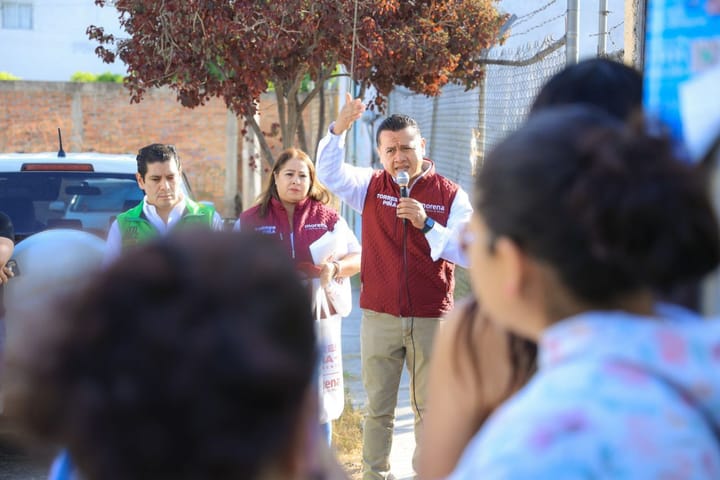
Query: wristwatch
(429,224)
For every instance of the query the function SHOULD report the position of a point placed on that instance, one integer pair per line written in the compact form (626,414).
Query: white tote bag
(328,248)
(339,294)
(332,389)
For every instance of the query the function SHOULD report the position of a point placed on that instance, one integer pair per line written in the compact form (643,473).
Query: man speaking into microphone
(411,220)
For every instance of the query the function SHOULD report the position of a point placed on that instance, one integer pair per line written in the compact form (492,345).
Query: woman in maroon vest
(293,209)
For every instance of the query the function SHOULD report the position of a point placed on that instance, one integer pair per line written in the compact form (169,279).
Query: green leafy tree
(235,49)
(87,77)
(7,76)
(109,77)
(83,77)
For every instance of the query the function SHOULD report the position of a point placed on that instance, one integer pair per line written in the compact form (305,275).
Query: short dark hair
(610,85)
(153,153)
(608,206)
(188,359)
(395,123)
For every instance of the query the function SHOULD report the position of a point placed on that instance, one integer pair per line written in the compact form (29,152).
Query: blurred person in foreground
(194,358)
(477,364)
(7,245)
(292,209)
(164,207)
(410,248)
(579,221)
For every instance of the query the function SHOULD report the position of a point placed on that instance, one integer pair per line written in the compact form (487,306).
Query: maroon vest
(311,220)
(395,283)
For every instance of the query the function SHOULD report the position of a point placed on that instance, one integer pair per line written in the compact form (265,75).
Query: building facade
(47,40)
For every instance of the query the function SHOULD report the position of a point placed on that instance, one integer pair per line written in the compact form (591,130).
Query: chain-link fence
(511,88)
(460,126)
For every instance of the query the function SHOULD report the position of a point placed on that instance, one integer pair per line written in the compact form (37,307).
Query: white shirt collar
(175,215)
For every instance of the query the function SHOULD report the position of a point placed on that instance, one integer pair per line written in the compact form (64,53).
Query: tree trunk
(293,113)
(302,135)
(292,122)
(267,153)
(321,119)
(282,111)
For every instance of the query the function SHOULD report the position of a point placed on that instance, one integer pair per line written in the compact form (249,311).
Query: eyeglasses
(468,238)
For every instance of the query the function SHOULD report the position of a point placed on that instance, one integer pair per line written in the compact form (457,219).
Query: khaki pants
(386,342)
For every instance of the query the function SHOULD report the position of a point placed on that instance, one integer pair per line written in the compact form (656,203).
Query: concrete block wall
(99,117)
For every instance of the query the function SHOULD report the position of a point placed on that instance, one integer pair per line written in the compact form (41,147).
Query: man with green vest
(164,208)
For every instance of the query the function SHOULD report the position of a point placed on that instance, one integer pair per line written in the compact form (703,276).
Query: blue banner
(682,44)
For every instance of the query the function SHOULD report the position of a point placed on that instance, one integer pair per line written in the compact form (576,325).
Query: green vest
(135,228)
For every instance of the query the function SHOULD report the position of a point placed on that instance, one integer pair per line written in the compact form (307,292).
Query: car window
(107,195)
(36,201)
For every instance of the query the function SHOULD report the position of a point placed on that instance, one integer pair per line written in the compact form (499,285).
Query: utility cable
(412,321)
(354,41)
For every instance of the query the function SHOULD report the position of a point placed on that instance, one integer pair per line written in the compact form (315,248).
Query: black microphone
(403,179)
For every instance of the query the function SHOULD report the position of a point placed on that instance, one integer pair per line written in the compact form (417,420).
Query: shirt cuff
(437,238)
(340,137)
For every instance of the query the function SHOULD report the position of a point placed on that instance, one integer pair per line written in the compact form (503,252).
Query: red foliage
(233,49)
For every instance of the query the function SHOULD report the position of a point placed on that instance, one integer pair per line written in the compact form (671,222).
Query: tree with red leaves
(235,49)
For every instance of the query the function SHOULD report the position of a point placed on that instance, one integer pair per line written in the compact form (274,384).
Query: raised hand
(351,111)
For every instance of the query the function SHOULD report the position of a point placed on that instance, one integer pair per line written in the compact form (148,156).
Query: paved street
(16,464)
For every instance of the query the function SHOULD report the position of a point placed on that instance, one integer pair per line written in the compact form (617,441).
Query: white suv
(83,191)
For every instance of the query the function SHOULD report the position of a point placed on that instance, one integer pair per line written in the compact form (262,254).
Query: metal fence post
(572,29)
(602,27)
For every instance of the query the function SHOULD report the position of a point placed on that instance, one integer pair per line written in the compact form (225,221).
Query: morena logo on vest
(315,226)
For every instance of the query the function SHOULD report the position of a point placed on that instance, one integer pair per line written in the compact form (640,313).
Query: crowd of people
(580,352)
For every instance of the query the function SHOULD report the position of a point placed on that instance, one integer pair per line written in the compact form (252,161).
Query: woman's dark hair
(607,205)
(188,358)
(317,190)
(610,85)
(521,354)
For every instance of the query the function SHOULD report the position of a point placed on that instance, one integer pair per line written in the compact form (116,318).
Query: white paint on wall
(57,45)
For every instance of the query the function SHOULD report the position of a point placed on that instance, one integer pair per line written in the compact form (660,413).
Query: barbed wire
(527,54)
(609,32)
(549,20)
(527,16)
(611,29)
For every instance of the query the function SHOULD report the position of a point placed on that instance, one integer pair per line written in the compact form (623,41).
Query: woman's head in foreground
(577,211)
(612,86)
(190,357)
